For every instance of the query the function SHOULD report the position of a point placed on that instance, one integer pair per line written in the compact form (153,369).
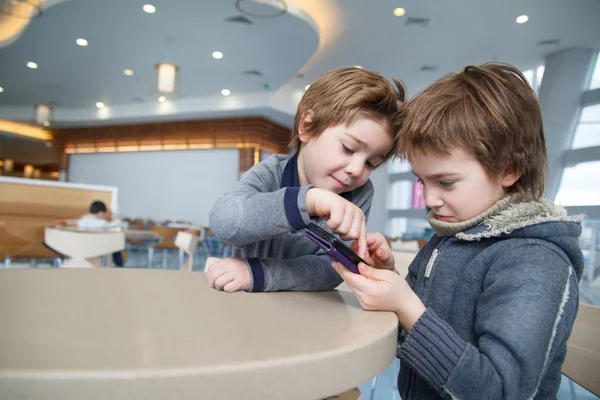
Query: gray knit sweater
(501,292)
(262,217)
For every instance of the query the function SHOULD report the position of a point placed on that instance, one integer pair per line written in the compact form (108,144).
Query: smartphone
(334,247)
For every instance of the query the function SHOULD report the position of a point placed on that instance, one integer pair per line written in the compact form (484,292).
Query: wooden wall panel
(249,132)
(18,199)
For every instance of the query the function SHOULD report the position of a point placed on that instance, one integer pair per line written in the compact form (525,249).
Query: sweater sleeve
(257,209)
(523,317)
(312,272)
(307,273)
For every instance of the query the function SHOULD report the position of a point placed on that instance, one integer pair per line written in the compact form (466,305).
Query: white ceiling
(314,37)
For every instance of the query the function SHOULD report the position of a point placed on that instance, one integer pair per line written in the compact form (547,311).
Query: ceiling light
(21,9)
(128,72)
(99,104)
(225,92)
(43,113)
(9,164)
(32,65)
(217,55)
(28,171)
(262,8)
(81,42)
(166,77)
(149,8)
(1,89)
(358,66)
(521,19)
(46,123)
(306,87)
(162,99)
(399,12)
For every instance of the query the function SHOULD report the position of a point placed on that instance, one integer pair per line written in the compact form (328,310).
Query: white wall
(161,185)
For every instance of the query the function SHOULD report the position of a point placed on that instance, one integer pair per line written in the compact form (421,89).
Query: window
(399,192)
(529,75)
(595,81)
(400,195)
(579,185)
(587,133)
(408,228)
(539,74)
(534,77)
(397,165)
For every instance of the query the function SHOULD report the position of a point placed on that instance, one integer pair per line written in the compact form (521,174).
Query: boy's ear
(509,176)
(304,132)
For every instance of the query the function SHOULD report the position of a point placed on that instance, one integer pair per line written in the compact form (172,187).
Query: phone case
(334,247)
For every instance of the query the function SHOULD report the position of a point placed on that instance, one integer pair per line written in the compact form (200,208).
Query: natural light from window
(534,77)
(587,133)
(595,81)
(579,185)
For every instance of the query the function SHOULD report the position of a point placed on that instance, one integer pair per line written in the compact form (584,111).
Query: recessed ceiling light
(521,19)
(217,55)
(306,87)
(149,8)
(399,12)
(81,42)
(128,72)
(358,66)
(162,99)
(46,123)
(1,89)
(32,65)
(99,104)
(225,92)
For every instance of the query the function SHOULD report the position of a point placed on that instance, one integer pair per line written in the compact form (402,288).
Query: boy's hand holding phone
(343,217)
(380,287)
(379,254)
(383,290)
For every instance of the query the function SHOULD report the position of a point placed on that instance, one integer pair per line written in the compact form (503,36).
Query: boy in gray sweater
(488,304)
(346,126)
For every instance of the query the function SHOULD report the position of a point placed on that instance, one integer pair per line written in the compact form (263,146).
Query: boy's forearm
(242,218)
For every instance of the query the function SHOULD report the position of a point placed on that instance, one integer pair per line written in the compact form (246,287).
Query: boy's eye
(370,165)
(419,180)
(347,149)
(446,184)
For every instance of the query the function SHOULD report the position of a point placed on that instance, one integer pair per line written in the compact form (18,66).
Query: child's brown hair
(488,110)
(344,95)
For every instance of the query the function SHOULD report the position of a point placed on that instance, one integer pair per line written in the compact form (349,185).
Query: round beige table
(151,334)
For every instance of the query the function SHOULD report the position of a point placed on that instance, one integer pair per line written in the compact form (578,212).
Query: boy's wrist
(310,202)
(410,312)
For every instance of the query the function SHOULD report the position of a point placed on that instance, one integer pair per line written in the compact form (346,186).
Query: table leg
(150,256)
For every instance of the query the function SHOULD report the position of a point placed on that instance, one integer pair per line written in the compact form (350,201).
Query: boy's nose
(354,168)
(432,199)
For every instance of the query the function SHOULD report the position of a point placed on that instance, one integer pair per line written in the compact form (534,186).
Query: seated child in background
(96,219)
(489,302)
(345,127)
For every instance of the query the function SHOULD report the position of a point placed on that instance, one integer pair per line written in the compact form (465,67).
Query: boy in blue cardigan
(488,304)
